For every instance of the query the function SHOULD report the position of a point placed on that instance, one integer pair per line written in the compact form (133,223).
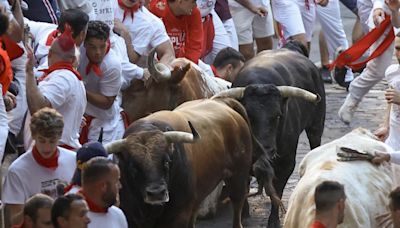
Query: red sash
(129,9)
(51,162)
(60,66)
(14,51)
(349,56)
(208,35)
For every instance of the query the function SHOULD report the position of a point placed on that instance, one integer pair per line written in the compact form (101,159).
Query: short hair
(47,122)
(76,18)
(227,56)
(35,203)
(62,207)
(395,199)
(4,23)
(98,29)
(96,169)
(327,194)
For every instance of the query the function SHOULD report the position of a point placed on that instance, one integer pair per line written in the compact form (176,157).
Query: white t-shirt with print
(67,95)
(147,30)
(392,75)
(103,9)
(25,177)
(114,218)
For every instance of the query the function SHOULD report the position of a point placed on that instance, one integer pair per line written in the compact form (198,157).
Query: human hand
(382,133)
(147,80)
(261,11)
(30,61)
(322,2)
(120,28)
(10,101)
(394,5)
(392,96)
(378,16)
(380,157)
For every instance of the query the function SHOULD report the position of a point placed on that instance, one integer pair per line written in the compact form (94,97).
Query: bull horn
(235,93)
(115,146)
(290,91)
(160,72)
(181,136)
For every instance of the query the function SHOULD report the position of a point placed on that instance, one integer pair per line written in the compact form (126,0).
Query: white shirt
(3,125)
(147,30)
(130,71)
(68,96)
(40,32)
(103,9)
(108,84)
(114,218)
(392,75)
(205,6)
(26,177)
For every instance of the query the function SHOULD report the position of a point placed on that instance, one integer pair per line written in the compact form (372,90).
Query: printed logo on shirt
(177,39)
(53,188)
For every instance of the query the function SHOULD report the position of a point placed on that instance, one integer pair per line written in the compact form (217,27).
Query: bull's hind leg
(238,187)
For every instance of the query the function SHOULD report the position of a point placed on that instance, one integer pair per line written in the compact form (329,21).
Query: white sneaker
(346,112)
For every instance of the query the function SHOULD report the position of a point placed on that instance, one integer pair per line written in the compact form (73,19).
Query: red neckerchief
(13,50)
(214,70)
(129,9)
(96,66)
(92,206)
(52,36)
(68,188)
(60,66)
(317,224)
(349,56)
(51,162)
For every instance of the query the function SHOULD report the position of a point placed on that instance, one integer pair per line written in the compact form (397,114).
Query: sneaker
(325,74)
(339,73)
(346,112)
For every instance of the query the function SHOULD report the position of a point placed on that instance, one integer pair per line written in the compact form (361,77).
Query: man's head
(46,128)
(394,206)
(228,63)
(96,42)
(397,48)
(330,198)
(70,211)
(78,21)
(37,211)
(63,49)
(182,7)
(101,177)
(83,155)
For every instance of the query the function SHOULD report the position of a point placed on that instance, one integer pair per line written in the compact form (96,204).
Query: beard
(110,197)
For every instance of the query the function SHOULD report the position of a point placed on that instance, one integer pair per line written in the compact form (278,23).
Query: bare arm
(16,29)
(36,100)
(394,6)
(13,215)
(165,52)
(100,100)
(121,29)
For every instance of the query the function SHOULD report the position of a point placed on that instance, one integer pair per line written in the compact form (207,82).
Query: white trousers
(221,39)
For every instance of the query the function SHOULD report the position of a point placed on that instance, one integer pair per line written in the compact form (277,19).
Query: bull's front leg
(283,169)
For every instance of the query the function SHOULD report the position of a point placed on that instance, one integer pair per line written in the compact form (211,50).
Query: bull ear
(116,147)
(179,73)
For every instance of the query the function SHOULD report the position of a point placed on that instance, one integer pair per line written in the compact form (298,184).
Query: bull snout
(156,194)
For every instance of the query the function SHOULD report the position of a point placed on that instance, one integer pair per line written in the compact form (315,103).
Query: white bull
(367,186)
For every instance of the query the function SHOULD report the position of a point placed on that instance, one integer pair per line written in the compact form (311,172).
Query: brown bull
(164,181)
(169,89)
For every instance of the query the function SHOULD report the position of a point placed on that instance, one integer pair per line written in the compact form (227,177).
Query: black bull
(277,121)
